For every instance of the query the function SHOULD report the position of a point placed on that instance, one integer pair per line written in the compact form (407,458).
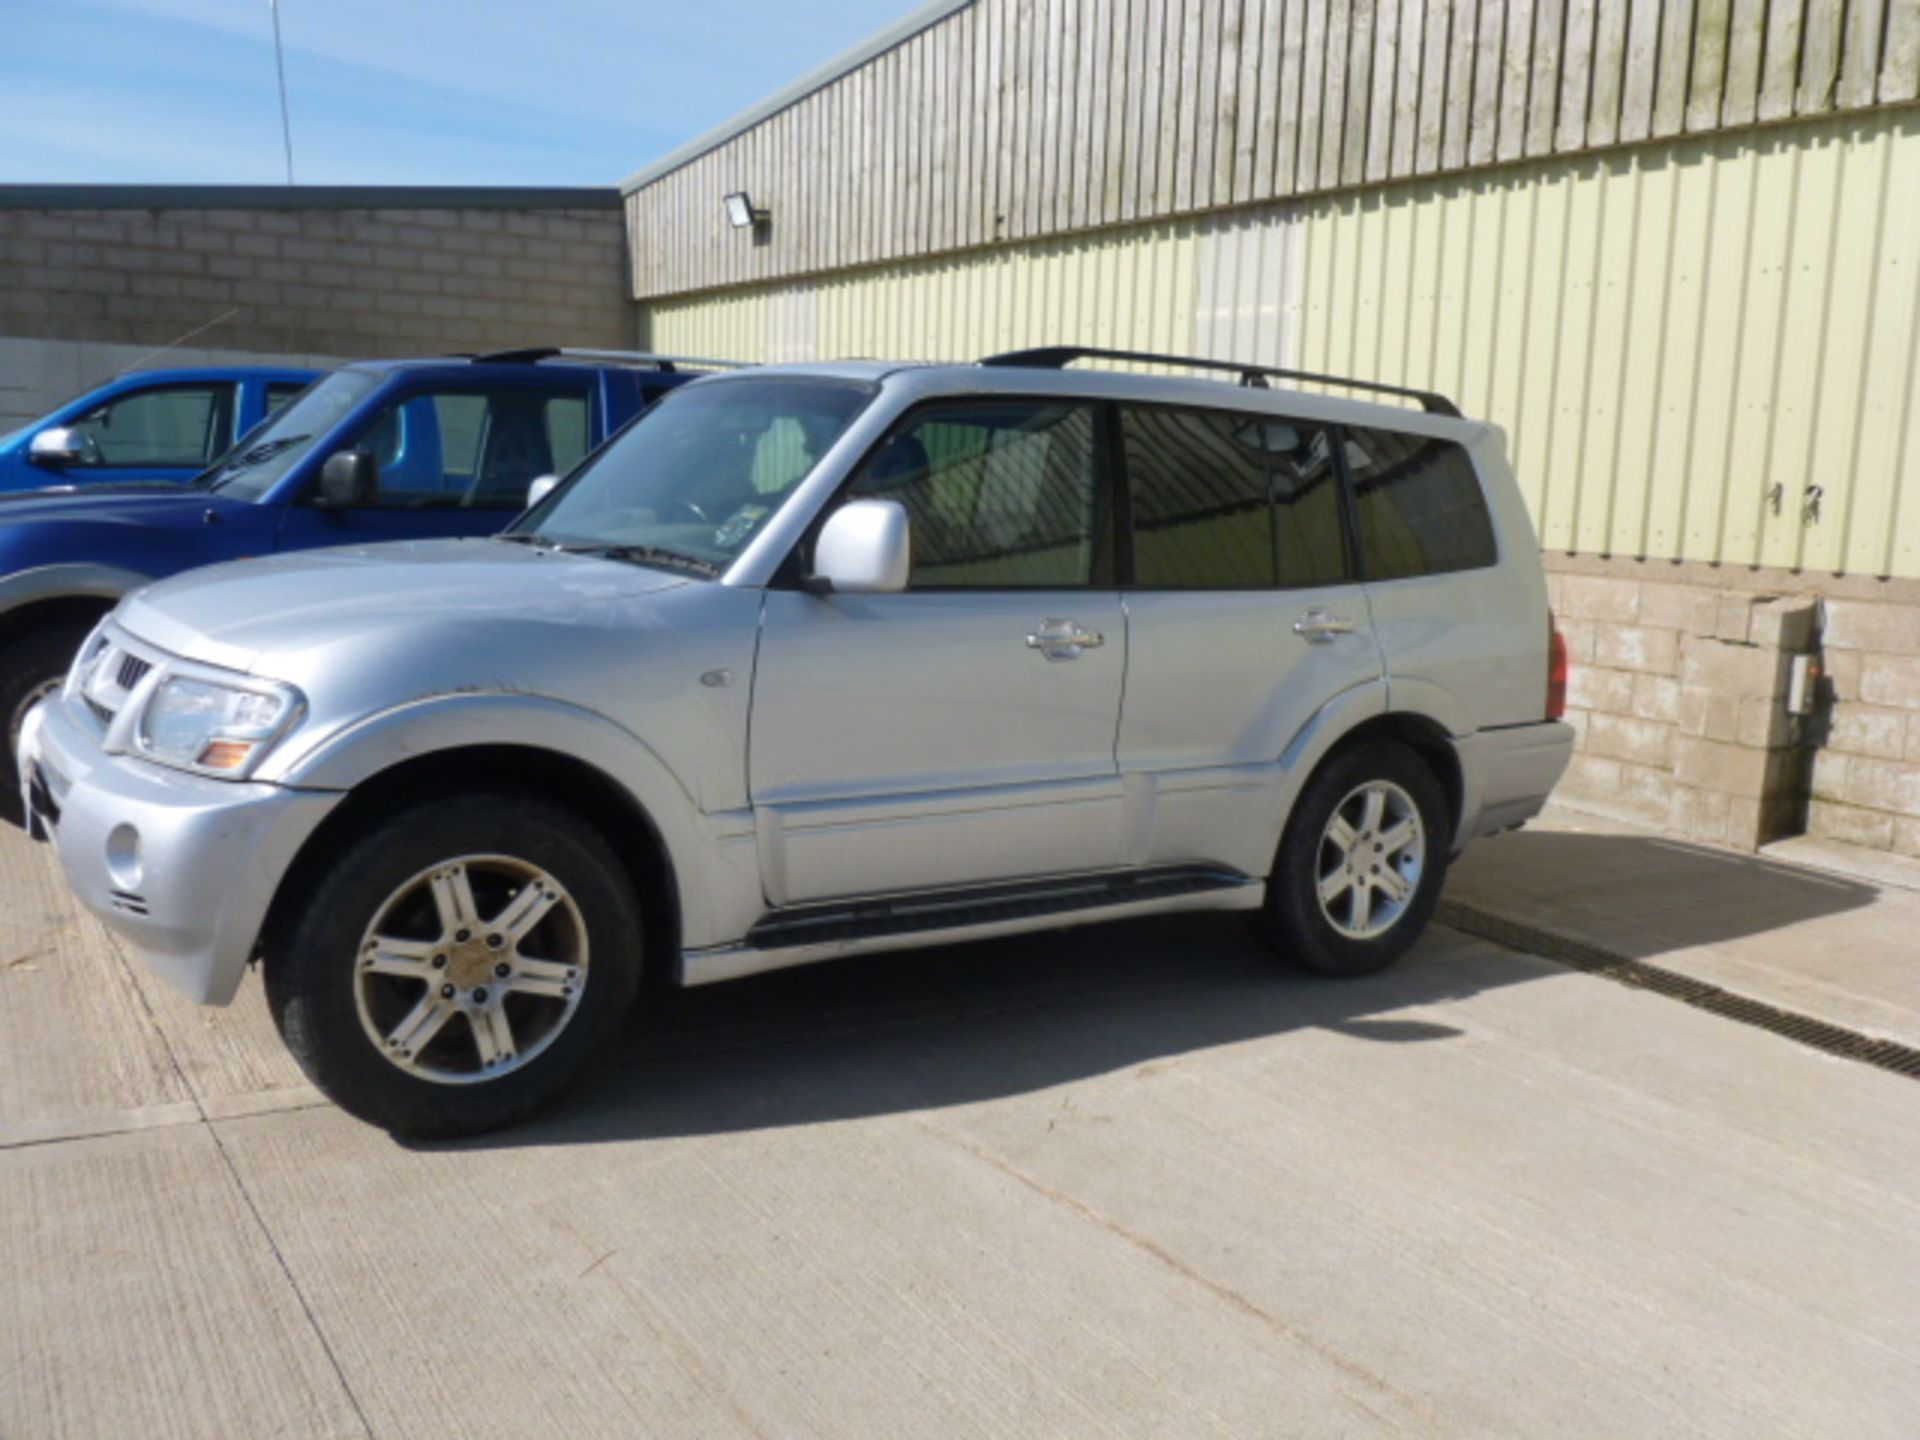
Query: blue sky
(451,92)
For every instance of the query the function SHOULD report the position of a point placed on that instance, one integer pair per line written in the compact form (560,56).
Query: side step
(914,914)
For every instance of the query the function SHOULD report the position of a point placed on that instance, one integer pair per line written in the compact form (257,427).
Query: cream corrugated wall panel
(1665,334)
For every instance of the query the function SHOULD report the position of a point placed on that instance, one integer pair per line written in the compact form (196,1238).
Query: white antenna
(280,65)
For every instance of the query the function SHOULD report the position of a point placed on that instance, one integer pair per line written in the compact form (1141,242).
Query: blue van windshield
(255,465)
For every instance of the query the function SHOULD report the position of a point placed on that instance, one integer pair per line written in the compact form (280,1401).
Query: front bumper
(181,867)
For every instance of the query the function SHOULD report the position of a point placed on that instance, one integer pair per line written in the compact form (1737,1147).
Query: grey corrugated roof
(905,28)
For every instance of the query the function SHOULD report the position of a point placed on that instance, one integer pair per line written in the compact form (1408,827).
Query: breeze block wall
(1679,691)
(192,273)
(1866,774)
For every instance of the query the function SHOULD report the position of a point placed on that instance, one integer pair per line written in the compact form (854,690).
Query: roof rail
(1057,357)
(534,353)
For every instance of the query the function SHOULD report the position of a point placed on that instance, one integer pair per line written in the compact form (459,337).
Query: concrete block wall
(1678,696)
(314,271)
(1866,775)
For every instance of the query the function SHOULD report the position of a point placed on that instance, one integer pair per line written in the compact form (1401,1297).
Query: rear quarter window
(1419,505)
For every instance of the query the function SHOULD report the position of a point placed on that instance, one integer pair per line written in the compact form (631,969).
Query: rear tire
(1361,863)
(31,669)
(459,965)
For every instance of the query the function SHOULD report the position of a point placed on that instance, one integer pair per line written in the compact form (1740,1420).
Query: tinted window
(1419,505)
(567,431)
(179,425)
(1231,501)
(472,449)
(1000,494)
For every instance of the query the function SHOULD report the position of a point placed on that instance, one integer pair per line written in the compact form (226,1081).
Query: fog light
(123,857)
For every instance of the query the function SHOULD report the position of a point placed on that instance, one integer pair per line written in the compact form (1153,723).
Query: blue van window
(474,448)
(171,425)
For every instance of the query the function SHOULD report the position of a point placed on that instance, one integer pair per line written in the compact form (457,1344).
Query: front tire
(31,670)
(459,964)
(1361,863)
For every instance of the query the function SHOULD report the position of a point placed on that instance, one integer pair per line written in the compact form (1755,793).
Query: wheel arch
(32,596)
(21,620)
(1428,739)
(582,787)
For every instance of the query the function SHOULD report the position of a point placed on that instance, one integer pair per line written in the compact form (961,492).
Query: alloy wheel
(471,969)
(1370,860)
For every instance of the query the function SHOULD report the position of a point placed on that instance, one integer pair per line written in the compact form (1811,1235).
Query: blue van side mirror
(55,447)
(350,480)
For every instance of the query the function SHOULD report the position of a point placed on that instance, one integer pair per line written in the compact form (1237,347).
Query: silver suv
(814,660)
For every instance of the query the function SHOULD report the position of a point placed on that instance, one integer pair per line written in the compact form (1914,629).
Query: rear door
(960,732)
(1244,617)
(1447,615)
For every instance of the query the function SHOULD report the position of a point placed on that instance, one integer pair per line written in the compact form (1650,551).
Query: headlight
(214,728)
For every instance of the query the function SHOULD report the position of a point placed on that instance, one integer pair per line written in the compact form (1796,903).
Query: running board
(804,933)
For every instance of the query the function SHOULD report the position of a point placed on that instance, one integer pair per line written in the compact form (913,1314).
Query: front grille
(108,678)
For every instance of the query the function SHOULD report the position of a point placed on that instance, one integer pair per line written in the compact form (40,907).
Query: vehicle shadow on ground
(928,1029)
(1641,896)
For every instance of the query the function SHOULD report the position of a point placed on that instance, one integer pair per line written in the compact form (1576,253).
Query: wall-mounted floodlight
(741,214)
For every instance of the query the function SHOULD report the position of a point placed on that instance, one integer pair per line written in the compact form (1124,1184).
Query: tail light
(1556,671)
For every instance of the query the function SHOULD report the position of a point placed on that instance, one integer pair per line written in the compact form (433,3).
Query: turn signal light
(225,754)
(1556,671)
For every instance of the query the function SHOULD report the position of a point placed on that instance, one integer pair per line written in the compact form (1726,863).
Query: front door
(960,732)
(1244,618)
(165,432)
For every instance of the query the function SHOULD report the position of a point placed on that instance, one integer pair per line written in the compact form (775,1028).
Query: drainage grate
(1820,1034)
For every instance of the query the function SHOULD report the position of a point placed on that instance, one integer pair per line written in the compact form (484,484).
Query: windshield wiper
(528,537)
(247,459)
(649,555)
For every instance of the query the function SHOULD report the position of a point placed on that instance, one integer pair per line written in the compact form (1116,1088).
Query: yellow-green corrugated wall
(1667,334)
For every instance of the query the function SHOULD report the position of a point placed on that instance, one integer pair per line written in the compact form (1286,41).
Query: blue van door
(164,432)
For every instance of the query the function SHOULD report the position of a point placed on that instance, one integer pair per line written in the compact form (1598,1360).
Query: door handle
(1319,627)
(1064,639)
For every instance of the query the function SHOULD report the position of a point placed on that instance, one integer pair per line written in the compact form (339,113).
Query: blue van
(377,450)
(150,425)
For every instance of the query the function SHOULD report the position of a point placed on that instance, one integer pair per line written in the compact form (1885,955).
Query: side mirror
(55,447)
(863,549)
(541,487)
(350,480)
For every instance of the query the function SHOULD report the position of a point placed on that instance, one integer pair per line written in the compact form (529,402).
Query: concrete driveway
(1132,1181)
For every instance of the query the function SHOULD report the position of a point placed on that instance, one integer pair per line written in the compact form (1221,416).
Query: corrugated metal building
(1672,246)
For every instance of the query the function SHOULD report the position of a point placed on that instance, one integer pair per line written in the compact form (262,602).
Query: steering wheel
(692,509)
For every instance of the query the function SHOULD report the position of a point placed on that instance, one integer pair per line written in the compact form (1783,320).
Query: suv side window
(475,449)
(1229,501)
(1001,494)
(1418,504)
(171,425)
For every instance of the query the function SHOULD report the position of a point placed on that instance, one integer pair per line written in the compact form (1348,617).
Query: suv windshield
(255,465)
(697,475)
